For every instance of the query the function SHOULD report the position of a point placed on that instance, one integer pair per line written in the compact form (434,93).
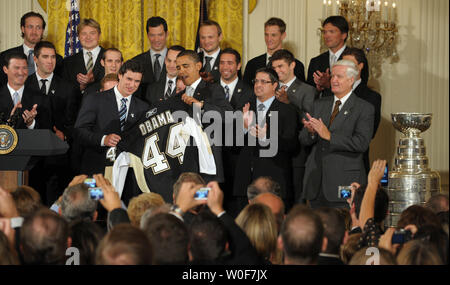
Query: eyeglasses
(263,82)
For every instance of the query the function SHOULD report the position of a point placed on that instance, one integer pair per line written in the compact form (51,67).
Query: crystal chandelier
(373,28)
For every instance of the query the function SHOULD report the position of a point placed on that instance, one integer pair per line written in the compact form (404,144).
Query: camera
(90,182)
(96,193)
(345,192)
(385,180)
(401,236)
(202,193)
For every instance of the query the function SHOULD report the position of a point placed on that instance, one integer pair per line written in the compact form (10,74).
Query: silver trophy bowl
(411,181)
(411,124)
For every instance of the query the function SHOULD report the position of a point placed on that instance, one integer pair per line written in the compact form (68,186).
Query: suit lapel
(200,86)
(237,94)
(6,99)
(344,112)
(325,113)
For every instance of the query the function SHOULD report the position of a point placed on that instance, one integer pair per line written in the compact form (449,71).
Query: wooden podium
(32,145)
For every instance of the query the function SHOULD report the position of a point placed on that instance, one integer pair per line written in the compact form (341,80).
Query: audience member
(419,252)
(418,216)
(124,245)
(210,35)
(44,238)
(258,222)
(109,82)
(170,238)
(274,203)
(27,200)
(76,204)
(86,235)
(8,255)
(350,247)
(438,203)
(435,236)
(139,204)
(301,237)
(335,236)
(263,184)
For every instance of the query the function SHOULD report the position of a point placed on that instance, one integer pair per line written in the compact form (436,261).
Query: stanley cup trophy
(411,181)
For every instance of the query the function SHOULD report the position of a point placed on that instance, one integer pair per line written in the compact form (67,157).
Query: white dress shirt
(20,92)
(337,55)
(26,51)
(47,84)
(231,85)
(213,60)
(163,54)
(343,100)
(95,52)
(191,89)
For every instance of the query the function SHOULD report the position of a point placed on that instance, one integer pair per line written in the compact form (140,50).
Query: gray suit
(337,162)
(301,96)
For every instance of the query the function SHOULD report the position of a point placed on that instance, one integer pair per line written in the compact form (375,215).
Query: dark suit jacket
(93,88)
(64,101)
(322,62)
(155,91)
(301,97)
(215,69)
(148,77)
(75,64)
(4,79)
(99,116)
(250,163)
(260,61)
(29,98)
(337,162)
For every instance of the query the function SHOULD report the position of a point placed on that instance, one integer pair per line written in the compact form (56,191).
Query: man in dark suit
(300,96)
(153,59)
(206,97)
(339,130)
(32,25)
(32,108)
(84,68)
(210,34)
(238,93)
(364,92)
(104,116)
(53,173)
(270,139)
(335,33)
(111,60)
(165,88)
(274,34)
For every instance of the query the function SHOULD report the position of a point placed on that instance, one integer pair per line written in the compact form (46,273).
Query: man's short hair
(269,186)
(43,44)
(232,51)
(352,70)
(339,22)
(438,203)
(76,203)
(334,228)
(381,203)
(14,55)
(283,54)
(176,48)
(191,54)
(276,22)
(112,49)
(156,22)
(211,23)
(139,204)
(269,71)
(124,245)
(131,65)
(302,235)
(43,238)
(170,237)
(27,200)
(108,77)
(358,53)
(29,15)
(88,22)
(86,236)
(186,177)
(207,237)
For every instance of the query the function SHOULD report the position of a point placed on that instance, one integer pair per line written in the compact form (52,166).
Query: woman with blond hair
(258,222)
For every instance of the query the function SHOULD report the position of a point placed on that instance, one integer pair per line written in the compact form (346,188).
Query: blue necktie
(123,113)
(15,98)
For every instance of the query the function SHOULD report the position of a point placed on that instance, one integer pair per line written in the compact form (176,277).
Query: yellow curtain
(57,22)
(228,13)
(182,20)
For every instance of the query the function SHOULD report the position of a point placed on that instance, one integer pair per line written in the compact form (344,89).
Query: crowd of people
(272,196)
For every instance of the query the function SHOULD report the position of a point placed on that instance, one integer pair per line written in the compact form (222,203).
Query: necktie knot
(169,89)
(208,63)
(90,63)
(335,111)
(261,107)
(123,113)
(124,101)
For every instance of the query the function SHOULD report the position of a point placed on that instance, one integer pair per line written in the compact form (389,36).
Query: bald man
(275,204)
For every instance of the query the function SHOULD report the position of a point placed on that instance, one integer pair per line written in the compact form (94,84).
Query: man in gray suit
(339,130)
(300,96)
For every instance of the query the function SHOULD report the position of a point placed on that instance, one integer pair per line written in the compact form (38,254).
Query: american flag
(73,44)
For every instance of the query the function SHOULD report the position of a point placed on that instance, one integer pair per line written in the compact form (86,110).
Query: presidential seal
(8,139)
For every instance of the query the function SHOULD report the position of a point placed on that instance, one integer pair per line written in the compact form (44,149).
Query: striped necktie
(90,62)
(335,112)
(227,93)
(123,113)
(169,90)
